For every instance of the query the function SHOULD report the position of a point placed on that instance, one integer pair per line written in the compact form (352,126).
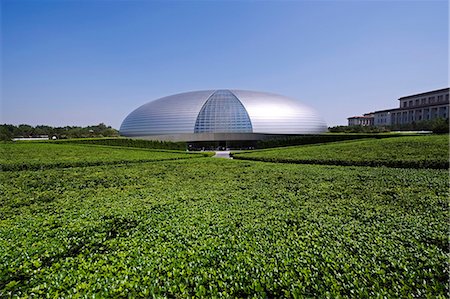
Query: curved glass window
(223,113)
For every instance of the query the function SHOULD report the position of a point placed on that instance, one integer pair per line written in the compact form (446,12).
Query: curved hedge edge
(125,142)
(122,147)
(323,139)
(391,164)
(24,167)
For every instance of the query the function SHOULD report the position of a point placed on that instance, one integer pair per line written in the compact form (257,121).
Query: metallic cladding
(178,114)
(276,114)
(169,115)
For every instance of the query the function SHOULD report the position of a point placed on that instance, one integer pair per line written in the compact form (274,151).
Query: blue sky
(86,62)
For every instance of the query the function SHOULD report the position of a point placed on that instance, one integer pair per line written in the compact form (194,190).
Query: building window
(431,100)
(410,103)
(446,97)
(233,116)
(417,102)
(440,98)
(404,104)
(424,100)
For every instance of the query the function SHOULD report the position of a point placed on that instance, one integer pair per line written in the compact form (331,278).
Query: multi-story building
(413,108)
(365,120)
(422,106)
(382,117)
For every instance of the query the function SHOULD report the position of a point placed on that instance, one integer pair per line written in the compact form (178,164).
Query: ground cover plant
(323,138)
(411,152)
(37,155)
(127,142)
(224,228)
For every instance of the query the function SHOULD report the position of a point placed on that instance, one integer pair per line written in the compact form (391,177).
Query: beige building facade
(423,106)
(364,120)
(413,108)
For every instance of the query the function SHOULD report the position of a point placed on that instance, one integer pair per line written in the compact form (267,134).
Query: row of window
(223,112)
(423,101)
(444,108)
(426,115)
(405,116)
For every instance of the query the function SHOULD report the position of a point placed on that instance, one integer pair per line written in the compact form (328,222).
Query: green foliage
(217,228)
(358,129)
(41,155)
(5,134)
(409,152)
(437,125)
(100,130)
(223,228)
(320,138)
(440,126)
(127,142)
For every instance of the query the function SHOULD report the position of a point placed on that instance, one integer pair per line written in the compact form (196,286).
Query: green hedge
(278,142)
(127,142)
(28,166)
(218,228)
(398,164)
(404,152)
(319,138)
(44,155)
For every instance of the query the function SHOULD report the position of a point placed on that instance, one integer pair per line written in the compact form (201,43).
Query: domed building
(221,115)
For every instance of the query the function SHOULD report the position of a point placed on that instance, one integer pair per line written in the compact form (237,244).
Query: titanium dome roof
(222,111)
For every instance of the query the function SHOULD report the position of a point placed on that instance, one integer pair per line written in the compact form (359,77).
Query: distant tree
(358,129)
(6,132)
(437,125)
(440,125)
(24,130)
(43,130)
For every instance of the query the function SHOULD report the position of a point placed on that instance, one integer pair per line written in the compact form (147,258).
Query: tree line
(8,131)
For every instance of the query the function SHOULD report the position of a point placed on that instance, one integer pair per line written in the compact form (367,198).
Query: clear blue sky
(86,62)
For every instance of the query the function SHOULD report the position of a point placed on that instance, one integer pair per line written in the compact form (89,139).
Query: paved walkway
(222,154)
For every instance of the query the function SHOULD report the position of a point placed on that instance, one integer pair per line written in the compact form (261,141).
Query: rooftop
(421,106)
(425,93)
(365,116)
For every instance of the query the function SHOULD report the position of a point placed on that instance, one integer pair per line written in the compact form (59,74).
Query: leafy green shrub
(320,138)
(358,129)
(437,125)
(407,152)
(30,155)
(224,228)
(440,126)
(127,142)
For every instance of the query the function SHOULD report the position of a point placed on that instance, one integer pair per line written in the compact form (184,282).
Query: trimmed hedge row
(320,138)
(394,164)
(405,152)
(27,166)
(47,155)
(261,144)
(127,142)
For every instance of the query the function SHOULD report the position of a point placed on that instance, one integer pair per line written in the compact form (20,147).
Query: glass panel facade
(223,113)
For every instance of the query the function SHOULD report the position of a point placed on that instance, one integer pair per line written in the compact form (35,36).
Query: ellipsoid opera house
(211,115)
